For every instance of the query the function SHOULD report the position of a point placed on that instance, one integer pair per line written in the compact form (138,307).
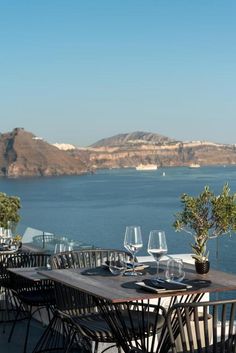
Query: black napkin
(164,285)
(97,271)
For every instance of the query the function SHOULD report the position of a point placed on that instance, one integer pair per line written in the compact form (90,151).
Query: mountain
(24,154)
(130,150)
(134,138)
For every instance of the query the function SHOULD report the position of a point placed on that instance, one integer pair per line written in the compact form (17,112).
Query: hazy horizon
(106,137)
(79,71)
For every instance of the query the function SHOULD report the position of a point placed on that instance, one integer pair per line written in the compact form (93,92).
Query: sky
(76,71)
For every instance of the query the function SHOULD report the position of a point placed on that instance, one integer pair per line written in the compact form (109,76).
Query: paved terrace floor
(36,329)
(17,342)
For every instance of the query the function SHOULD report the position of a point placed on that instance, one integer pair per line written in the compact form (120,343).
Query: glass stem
(133,264)
(158,266)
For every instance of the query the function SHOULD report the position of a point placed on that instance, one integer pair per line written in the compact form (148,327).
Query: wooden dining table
(109,289)
(101,283)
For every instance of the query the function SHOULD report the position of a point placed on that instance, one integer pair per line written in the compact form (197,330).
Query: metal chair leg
(95,347)
(13,325)
(70,344)
(27,330)
(53,338)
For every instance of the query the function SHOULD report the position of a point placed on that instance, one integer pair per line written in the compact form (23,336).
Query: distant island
(144,148)
(24,154)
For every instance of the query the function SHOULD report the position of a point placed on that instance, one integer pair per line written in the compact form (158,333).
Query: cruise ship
(146,167)
(194,165)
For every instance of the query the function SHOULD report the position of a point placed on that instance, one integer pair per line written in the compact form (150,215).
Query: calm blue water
(96,208)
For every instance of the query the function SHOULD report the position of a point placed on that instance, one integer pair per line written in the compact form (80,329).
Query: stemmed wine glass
(133,243)
(157,246)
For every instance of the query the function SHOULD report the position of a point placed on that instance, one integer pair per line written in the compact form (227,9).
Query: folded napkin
(165,284)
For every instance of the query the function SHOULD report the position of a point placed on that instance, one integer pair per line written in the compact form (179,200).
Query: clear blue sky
(76,71)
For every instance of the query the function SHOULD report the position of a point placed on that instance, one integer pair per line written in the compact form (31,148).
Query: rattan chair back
(28,260)
(84,258)
(203,327)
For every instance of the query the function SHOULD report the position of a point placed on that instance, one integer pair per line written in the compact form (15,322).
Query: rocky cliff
(129,150)
(24,154)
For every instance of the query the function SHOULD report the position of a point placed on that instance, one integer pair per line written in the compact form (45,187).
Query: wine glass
(133,243)
(157,246)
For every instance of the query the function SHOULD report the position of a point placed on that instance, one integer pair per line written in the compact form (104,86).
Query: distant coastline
(23,154)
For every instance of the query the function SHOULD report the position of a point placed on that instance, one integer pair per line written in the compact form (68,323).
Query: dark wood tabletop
(101,283)
(31,273)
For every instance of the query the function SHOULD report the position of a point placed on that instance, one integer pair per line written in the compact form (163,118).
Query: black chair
(79,311)
(203,327)
(30,296)
(8,305)
(84,258)
(89,258)
(124,325)
(58,333)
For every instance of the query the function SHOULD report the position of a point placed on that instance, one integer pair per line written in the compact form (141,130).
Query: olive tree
(9,210)
(206,216)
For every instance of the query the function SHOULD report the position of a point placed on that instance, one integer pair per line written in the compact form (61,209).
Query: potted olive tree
(206,216)
(9,211)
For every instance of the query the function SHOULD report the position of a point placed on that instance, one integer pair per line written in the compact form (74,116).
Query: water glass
(8,233)
(175,270)
(71,245)
(117,263)
(49,267)
(59,247)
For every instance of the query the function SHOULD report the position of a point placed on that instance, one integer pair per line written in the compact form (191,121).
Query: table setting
(8,247)
(122,270)
(8,242)
(157,277)
(166,279)
(110,286)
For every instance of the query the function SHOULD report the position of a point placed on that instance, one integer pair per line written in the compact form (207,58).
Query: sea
(96,208)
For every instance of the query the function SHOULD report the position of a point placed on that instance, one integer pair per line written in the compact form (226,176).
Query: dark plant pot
(202,267)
